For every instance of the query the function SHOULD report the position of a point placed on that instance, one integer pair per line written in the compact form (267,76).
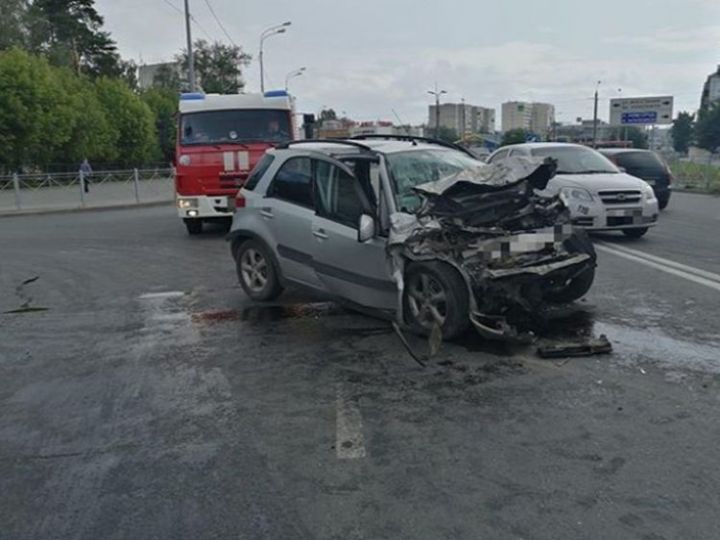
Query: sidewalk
(70,199)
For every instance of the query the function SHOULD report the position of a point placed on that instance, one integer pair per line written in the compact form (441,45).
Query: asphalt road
(151,399)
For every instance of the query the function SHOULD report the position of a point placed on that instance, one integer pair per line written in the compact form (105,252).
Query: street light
(595,118)
(292,74)
(437,93)
(272,31)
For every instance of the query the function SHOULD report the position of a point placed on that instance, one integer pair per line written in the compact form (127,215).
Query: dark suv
(646,165)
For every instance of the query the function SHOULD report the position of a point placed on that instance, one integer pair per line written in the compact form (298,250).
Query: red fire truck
(220,139)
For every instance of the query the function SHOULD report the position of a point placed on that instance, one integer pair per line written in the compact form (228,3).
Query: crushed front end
(516,249)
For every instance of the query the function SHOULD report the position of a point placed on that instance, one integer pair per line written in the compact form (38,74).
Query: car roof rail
(412,138)
(354,144)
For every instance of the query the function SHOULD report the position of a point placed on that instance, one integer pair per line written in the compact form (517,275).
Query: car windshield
(415,167)
(235,126)
(576,159)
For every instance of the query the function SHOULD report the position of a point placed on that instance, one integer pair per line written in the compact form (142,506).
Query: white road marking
(667,262)
(663,267)
(167,294)
(349,442)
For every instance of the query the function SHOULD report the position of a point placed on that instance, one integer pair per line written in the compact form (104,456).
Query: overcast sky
(368,57)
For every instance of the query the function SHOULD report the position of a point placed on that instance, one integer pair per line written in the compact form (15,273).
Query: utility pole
(191,56)
(437,93)
(595,117)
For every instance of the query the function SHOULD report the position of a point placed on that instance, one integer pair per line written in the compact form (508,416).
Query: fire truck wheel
(256,271)
(194,226)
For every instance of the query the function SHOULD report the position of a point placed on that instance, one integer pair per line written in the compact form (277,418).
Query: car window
(576,159)
(501,154)
(642,163)
(259,171)
(293,182)
(337,194)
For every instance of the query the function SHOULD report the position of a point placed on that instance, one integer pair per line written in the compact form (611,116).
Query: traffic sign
(643,111)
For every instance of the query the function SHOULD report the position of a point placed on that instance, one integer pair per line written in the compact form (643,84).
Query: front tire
(435,293)
(577,287)
(636,233)
(257,272)
(193,226)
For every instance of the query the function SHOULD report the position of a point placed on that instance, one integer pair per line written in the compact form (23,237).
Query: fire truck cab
(220,139)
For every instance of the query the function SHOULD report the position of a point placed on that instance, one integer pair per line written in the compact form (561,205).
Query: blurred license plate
(624,212)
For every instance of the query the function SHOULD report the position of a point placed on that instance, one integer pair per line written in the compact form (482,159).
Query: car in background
(646,165)
(599,195)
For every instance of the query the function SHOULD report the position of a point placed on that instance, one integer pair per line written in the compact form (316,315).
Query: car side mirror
(366,228)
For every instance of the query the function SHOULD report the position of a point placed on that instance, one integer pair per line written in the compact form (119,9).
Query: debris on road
(25,298)
(586,347)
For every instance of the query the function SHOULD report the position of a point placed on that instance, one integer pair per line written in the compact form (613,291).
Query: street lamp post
(292,74)
(272,31)
(437,93)
(595,115)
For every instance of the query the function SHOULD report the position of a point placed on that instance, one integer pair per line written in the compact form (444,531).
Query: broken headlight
(575,194)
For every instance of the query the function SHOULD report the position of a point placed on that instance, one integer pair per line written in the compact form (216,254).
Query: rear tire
(257,272)
(193,226)
(636,233)
(435,293)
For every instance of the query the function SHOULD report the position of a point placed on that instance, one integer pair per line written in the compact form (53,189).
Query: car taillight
(239,201)
(670,174)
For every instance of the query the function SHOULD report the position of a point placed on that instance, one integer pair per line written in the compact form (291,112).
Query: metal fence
(78,190)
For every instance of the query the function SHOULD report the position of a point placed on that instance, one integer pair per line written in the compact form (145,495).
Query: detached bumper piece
(587,347)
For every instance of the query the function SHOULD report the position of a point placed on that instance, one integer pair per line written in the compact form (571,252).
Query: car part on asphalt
(488,233)
(587,347)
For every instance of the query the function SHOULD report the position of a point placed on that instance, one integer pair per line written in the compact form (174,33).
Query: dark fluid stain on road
(269,313)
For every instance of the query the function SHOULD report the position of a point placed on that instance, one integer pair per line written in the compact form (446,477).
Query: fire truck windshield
(235,126)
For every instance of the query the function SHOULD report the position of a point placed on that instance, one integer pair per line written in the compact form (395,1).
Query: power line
(220,24)
(192,18)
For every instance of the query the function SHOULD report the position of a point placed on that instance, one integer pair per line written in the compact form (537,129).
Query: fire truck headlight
(184,160)
(187,203)
(192,213)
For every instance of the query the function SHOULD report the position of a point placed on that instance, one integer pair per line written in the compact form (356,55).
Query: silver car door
(288,208)
(356,271)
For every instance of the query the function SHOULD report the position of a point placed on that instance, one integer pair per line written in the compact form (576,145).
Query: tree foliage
(682,131)
(163,103)
(218,67)
(166,78)
(446,134)
(514,136)
(50,115)
(707,127)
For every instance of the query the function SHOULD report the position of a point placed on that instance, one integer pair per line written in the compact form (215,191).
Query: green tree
(132,119)
(36,112)
(682,131)
(163,102)
(446,134)
(707,127)
(69,33)
(218,67)
(93,135)
(167,78)
(514,136)
(328,114)
(13,23)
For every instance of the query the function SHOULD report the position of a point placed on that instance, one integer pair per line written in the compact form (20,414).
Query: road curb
(73,210)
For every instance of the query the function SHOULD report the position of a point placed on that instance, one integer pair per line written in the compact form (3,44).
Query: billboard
(641,111)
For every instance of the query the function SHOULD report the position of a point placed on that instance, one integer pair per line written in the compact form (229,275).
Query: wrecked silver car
(415,229)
